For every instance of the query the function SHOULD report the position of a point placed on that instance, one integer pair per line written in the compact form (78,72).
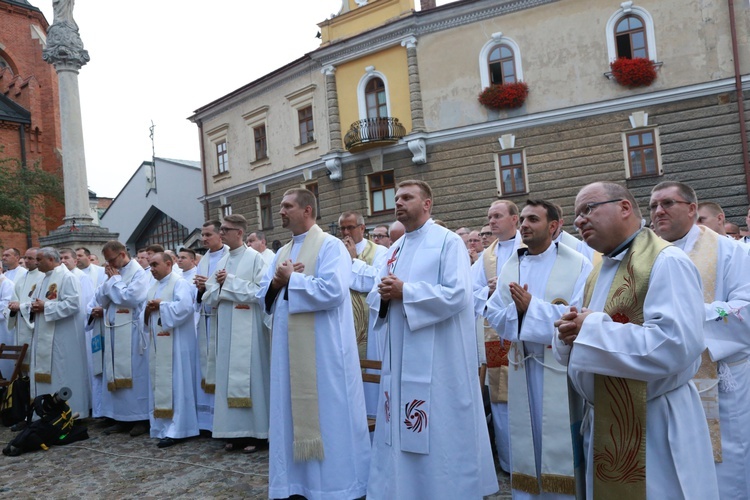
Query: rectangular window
(642,157)
(226,210)
(512,172)
(222,158)
(313,186)
(382,188)
(261,150)
(306,128)
(266,211)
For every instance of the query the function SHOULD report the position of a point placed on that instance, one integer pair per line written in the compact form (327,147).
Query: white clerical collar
(552,249)
(682,243)
(299,238)
(237,251)
(423,229)
(216,252)
(165,278)
(505,243)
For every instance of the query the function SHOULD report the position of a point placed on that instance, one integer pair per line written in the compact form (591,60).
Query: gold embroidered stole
(44,331)
(161,352)
(620,403)
(704,255)
(496,349)
(360,308)
(303,373)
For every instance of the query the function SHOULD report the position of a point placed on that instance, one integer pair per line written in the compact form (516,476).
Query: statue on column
(64,45)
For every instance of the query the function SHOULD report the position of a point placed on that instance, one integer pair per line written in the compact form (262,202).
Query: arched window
(630,33)
(375,99)
(500,61)
(630,38)
(501,65)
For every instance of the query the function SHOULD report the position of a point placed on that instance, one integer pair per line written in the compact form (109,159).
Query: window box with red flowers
(636,72)
(505,96)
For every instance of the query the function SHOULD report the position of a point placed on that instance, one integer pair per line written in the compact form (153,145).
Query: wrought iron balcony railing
(372,132)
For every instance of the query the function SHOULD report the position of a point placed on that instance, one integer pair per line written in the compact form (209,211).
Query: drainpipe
(22,135)
(203,168)
(740,98)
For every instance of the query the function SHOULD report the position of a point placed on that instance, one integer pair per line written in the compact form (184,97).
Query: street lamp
(333,229)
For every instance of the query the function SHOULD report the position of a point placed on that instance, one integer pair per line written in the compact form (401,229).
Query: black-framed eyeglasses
(376,236)
(665,204)
(227,229)
(347,228)
(589,207)
(484,235)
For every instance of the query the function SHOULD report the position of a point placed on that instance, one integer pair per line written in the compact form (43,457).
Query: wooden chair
(16,353)
(370,378)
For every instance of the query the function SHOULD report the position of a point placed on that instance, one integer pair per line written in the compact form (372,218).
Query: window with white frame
(373,99)
(226,210)
(257,123)
(303,106)
(382,190)
(642,152)
(510,172)
(630,33)
(219,149)
(500,61)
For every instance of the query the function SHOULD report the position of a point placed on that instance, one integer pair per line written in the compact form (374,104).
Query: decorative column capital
(409,42)
(329,70)
(64,47)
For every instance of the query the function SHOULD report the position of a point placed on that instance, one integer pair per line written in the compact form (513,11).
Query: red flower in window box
(505,96)
(636,72)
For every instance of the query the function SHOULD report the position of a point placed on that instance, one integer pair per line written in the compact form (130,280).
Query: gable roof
(10,111)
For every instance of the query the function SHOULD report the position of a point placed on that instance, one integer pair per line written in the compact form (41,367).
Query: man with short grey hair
(58,346)
(257,241)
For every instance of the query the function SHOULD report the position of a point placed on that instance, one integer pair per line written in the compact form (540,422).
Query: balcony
(373,132)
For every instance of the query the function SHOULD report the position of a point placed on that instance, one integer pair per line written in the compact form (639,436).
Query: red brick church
(29,111)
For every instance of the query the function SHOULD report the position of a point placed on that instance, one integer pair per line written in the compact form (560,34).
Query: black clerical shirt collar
(624,245)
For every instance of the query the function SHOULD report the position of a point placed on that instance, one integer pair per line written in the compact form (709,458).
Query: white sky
(162,59)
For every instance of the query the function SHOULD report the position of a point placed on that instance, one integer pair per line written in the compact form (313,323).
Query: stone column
(415,91)
(332,102)
(65,52)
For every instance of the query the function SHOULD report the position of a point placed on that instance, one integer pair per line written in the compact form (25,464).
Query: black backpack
(55,427)
(15,401)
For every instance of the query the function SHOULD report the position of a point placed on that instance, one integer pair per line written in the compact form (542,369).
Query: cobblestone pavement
(121,467)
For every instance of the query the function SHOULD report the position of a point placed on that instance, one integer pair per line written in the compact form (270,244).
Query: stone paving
(121,467)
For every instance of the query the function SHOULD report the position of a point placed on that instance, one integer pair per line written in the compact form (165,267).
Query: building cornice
(418,24)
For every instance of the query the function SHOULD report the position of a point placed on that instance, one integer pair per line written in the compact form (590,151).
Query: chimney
(427,4)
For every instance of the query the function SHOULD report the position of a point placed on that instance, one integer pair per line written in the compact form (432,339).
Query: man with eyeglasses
(475,246)
(562,236)
(631,353)
(379,235)
(724,377)
(207,324)
(243,349)
(486,234)
(503,223)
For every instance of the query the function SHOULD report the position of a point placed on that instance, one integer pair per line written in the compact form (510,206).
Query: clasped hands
(570,324)
(390,287)
(284,272)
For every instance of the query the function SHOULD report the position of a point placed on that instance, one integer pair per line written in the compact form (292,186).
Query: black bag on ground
(54,427)
(15,402)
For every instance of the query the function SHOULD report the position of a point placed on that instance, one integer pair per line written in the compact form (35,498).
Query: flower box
(505,96)
(636,72)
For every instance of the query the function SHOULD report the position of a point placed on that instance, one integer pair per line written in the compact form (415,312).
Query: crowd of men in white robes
(546,325)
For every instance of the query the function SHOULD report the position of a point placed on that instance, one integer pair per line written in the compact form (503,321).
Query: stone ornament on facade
(64,45)
(418,148)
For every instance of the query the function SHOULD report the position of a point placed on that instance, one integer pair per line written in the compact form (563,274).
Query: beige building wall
(274,103)
(563,49)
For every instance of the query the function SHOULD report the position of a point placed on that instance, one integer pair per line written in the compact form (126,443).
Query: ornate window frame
(484,54)
(371,73)
(627,9)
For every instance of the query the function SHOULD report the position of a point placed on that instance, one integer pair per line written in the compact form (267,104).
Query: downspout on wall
(740,97)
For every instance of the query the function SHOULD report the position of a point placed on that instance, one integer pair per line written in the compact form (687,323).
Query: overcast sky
(162,59)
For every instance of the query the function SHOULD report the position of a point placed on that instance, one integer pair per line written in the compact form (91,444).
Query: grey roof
(22,3)
(10,111)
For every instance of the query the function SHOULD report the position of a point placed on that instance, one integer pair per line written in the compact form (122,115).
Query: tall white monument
(65,52)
